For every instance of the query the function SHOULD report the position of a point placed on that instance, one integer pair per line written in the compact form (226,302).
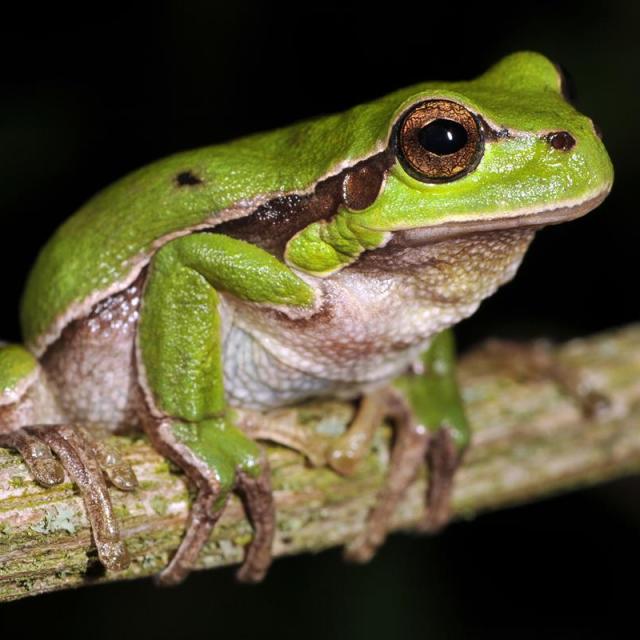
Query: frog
(326,259)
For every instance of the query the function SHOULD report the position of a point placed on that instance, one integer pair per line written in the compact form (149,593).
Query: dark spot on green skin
(561,140)
(361,185)
(187,179)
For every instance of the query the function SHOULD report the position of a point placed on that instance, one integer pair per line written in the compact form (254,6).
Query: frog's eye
(439,141)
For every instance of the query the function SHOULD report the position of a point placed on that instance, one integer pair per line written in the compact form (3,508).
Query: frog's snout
(561,140)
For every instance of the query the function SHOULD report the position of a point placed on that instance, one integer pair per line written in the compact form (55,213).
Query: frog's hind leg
(49,450)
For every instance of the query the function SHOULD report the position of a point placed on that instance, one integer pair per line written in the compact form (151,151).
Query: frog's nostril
(561,140)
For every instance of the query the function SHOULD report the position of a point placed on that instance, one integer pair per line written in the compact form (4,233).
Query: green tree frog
(326,259)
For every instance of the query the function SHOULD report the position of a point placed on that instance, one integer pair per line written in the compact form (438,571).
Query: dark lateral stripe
(271,225)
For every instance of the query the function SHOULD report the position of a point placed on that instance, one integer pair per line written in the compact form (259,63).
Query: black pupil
(443,137)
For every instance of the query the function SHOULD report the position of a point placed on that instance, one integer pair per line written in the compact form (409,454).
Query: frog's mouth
(518,220)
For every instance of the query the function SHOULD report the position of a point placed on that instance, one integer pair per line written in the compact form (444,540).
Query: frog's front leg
(180,361)
(427,411)
(434,396)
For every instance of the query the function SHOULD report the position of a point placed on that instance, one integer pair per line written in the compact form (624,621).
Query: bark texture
(529,440)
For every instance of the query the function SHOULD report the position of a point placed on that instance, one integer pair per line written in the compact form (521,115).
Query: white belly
(374,322)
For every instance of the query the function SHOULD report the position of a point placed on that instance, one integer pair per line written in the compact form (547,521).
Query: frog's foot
(218,459)
(407,456)
(355,444)
(50,450)
(537,361)
(282,428)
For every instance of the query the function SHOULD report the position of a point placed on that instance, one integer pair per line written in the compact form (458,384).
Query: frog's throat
(518,220)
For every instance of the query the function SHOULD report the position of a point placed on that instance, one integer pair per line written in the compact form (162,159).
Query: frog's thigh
(180,350)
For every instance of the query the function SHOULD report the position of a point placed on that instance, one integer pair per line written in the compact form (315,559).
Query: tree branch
(529,440)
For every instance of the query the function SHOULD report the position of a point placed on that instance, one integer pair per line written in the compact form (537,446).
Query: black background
(89,94)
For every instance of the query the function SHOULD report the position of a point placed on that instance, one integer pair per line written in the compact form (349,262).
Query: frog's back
(103,247)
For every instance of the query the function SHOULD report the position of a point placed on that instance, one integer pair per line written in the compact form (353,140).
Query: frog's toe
(443,460)
(257,496)
(202,518)
(37,455)
(114,555)
(205,512)
(355,444)
(119,472)
(47,472)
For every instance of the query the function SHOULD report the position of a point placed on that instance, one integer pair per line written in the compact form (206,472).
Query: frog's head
(504,150)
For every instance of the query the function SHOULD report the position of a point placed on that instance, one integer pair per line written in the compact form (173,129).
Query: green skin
(147,219)
(16,365)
